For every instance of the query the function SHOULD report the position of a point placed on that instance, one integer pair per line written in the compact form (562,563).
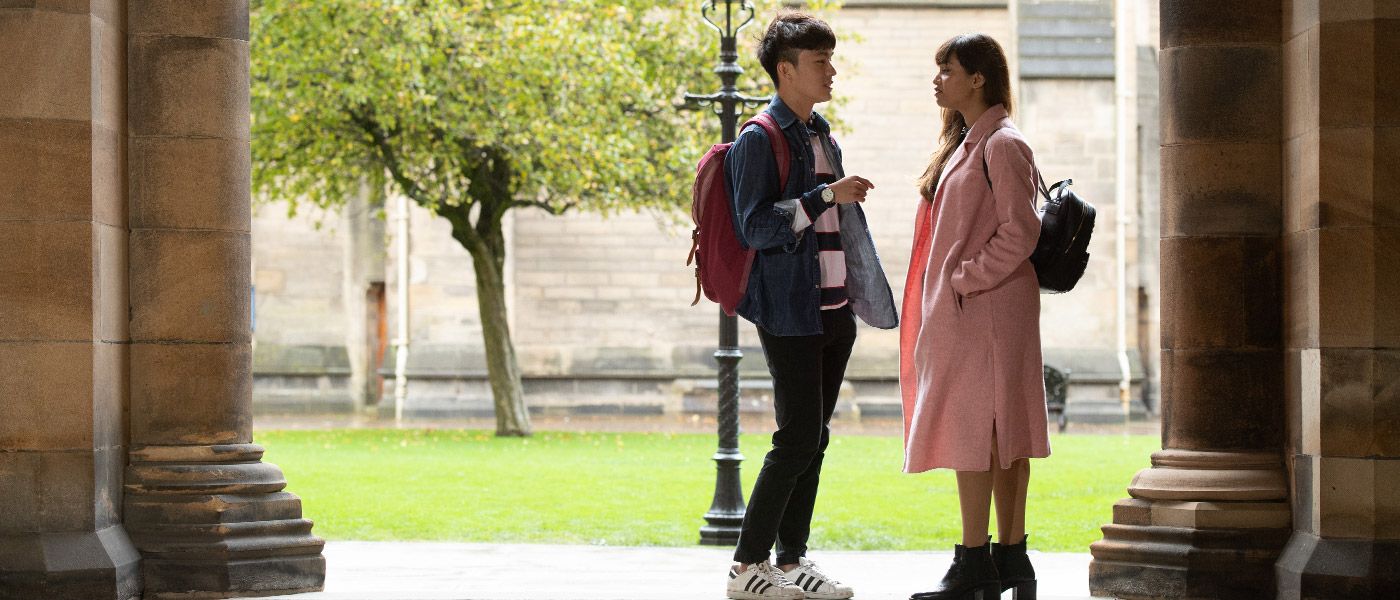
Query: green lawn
(652,489)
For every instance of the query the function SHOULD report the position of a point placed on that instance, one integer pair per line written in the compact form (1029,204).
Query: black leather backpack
(1066,223)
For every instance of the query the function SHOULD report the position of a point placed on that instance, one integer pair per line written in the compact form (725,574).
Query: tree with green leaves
(473,108)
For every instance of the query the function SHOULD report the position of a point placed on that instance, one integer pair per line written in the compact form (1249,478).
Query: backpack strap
(985,172)
(1044,191)
(781,153)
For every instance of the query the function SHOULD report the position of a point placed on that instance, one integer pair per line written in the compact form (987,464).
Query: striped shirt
(827,228)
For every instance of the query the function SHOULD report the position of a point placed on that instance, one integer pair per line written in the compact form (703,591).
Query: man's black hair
(788,35)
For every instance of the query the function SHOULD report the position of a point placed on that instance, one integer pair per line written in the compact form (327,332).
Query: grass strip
(652,489)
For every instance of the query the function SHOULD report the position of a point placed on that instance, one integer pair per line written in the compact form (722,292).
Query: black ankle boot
(972,577)
(1014,569)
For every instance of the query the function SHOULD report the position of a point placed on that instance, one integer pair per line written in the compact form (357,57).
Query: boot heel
(1024,591)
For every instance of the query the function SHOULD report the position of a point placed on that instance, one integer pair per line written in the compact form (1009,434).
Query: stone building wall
(300,317)
(600,307)
(1070,124)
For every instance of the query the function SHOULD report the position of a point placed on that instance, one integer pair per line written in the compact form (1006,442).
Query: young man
(815,268)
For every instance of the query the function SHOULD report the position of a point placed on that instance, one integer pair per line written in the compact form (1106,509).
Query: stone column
(209,518)
(1342,276)
(63,302)
(1211,515)
(362,260)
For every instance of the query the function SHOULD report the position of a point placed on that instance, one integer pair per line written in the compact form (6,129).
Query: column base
(98,565)
(1199,525)
(213,522)
(192,580)
(1153,562)
(1318,568)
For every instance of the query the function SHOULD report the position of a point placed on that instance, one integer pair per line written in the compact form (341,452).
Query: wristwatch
(828,196)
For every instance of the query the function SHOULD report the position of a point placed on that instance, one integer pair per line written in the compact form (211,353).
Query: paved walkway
(449,571)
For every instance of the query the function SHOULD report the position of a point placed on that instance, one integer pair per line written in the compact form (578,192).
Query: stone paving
(454,571)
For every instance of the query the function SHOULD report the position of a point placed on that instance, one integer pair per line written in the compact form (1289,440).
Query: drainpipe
(1013,45)
(401,302)
(1125,86)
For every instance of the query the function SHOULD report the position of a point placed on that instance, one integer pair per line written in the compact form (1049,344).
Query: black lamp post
(726,513)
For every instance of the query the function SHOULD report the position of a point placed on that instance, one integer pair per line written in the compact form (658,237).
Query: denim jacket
(784,292)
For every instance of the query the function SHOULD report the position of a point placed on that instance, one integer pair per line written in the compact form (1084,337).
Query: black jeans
(807,373)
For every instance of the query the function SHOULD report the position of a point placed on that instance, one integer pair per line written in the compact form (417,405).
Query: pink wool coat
(970,338)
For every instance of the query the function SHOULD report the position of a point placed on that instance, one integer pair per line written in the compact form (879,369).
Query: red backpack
(721,263)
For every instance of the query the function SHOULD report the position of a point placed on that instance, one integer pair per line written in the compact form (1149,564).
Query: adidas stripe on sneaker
(816,584)
(762,581)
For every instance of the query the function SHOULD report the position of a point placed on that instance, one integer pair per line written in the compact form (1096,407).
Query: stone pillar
(362,259)
(209,518)
(1211,515)
(63,303)
(1342,282)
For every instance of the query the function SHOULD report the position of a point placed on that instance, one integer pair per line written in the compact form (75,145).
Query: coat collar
(990,120)
(785,117)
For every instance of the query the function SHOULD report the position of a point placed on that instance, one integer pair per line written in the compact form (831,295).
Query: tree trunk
(502,369)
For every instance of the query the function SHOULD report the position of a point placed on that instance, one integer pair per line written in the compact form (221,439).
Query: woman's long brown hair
(978,53)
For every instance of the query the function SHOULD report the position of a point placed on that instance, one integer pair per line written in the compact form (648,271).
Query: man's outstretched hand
(851,188)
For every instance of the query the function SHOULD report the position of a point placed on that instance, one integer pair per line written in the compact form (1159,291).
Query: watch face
(828,195)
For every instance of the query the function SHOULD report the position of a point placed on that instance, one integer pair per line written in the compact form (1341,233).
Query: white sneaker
(762,581)
(816,584)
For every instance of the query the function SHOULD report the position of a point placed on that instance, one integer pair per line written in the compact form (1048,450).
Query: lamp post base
(722,529)
(726,515)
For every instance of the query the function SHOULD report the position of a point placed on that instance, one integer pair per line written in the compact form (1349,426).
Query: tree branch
(462,231)
(553,209)
(391,160)
(282,157)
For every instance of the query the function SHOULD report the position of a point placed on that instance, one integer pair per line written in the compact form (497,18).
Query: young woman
(970,365)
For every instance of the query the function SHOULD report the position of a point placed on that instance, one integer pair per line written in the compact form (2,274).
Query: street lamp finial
(709,9)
